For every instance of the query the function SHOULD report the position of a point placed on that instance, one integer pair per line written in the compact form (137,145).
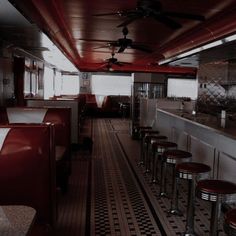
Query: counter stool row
(197,175)
(215,191)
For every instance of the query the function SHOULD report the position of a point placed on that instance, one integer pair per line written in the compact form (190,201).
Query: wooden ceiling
(85,38)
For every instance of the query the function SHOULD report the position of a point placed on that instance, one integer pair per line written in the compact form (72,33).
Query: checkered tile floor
(118,206)
(110,194)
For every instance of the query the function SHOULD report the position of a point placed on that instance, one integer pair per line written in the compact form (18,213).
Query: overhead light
(165,61)
(188,53)
(199,49)
(213,44)
(230,38)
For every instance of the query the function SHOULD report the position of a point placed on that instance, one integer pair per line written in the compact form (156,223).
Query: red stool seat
(143,130)
(163,145)
(186,170)
(230,218)
(175,155)
(210,189)
(214,190)
(152,137)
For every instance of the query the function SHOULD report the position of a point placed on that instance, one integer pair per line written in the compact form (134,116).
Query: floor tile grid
(128,223)
(136,201)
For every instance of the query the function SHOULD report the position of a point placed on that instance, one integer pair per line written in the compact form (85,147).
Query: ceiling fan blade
(167,21)
(113,44)
(129,20)
(185,15)
(121,49)
(124,63)
(141,48)
(103,46)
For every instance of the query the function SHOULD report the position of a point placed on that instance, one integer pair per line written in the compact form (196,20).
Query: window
(70,85)
(48,82)
(111,85)
(182,88)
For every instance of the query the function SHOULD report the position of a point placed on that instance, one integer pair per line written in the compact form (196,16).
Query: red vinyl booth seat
(61,118)
(27,170)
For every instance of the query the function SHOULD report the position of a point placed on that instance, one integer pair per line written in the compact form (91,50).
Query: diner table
(16,220)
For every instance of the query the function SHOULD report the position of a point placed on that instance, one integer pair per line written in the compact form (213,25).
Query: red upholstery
(230,218)
(61,118)
(148,138)
(176,153)
(27,169)
(215,186)
(163,144)
(58,116)
(192,167)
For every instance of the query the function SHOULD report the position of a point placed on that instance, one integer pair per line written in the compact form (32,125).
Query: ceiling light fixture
(199,49)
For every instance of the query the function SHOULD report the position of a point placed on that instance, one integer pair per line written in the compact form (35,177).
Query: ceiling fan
(124,43)
(113,61)
(153,9)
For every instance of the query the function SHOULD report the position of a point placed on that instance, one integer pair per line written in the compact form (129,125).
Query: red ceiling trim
(216,28)
(185,71)
(52,15)
(46,19)
(61,20)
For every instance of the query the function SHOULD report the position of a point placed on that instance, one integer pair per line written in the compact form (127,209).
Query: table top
(16,220)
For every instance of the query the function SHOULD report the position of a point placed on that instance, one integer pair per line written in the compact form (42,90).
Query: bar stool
(148,140)
(193,172)
(214,191)
(147,136)
(230,222)
(159,148)
(141,130)
(173,157)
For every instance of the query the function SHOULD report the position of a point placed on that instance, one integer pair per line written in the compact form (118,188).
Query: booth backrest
(60,117)
(27,169)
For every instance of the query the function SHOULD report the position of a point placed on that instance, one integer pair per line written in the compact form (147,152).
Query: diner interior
(117,117)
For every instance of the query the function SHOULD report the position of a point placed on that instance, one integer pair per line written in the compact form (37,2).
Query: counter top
(16,220)
(205,120)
